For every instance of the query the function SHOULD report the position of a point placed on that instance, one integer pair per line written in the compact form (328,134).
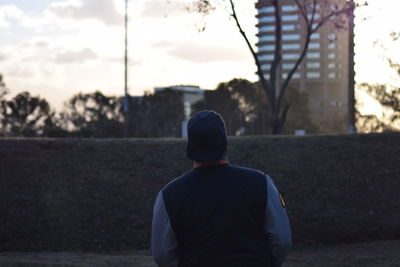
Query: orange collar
(199,164)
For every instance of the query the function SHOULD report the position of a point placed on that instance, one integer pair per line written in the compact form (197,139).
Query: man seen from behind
(218,214)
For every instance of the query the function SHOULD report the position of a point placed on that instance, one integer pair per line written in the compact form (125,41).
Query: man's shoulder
(178,181)
(249,171)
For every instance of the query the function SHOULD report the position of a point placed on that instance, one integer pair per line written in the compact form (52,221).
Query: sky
(57,48)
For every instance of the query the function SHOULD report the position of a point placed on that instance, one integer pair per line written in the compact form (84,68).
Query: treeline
(92,115)
(159,114)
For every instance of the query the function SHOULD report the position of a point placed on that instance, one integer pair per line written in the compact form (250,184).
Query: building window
(267,29)
(290,37)
(289,8)
(290,17)
(287,66)
(266,66)
(331,37)
(266,19)
(314,25)
(295,75)
(288,27)
(291,56)
(314,45)
(267,38)
(332,75)
(331,55)
(266,57)
(291,46)
(313,75)
(266,48)
(313,55)
(267,9)
(313,65)
(315,36)
(331,46)
(311,6)
(331,65)
(316,16)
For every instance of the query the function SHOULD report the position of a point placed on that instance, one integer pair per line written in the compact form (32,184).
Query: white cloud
(3,56)
(163,8)
(203,53)
(101,10)
(81,56)
(9,13)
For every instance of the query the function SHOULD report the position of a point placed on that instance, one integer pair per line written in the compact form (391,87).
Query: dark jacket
(220,216)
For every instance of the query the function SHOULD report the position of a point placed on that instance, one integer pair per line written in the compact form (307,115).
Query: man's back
(218,214)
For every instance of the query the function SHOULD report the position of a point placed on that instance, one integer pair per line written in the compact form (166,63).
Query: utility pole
(351,127)
(126,97)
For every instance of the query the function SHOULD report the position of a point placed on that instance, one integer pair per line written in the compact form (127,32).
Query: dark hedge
(64,195)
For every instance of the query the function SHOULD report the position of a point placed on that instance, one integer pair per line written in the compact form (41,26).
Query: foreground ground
(375,254)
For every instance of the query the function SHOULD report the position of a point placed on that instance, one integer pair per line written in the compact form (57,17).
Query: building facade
(323,73)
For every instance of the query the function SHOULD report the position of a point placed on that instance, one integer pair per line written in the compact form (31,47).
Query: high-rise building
(323,73)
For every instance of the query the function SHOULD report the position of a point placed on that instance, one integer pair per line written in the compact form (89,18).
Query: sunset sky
(56,48)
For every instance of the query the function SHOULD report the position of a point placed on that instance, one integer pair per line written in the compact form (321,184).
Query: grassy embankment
(97,195)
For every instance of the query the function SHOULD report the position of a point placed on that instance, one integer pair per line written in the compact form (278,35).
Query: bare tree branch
(260,73)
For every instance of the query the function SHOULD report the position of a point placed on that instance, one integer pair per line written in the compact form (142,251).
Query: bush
(98,195)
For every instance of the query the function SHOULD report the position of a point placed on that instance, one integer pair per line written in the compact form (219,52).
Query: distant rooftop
(183,88)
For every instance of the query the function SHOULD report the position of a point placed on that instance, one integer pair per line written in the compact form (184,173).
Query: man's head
(207,136)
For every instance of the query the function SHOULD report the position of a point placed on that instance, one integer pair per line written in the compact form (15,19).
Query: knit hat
(207,136)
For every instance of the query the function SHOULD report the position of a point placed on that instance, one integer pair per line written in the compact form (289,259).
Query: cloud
(21,71)
(203,53)
(3,56)
(10,13)
(163,8)
(102,10)
(163,44)
(120,60)
(36,43)
(82,56)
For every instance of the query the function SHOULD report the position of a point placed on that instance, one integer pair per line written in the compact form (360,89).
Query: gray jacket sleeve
(164,246)
(277,224)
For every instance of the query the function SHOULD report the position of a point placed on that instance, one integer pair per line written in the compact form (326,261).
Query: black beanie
(207,136)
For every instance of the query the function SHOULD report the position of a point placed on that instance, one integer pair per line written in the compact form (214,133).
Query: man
(217,214)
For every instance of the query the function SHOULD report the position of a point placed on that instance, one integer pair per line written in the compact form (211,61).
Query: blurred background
(63,71)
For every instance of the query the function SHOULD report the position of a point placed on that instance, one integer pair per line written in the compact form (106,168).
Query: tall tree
(388,96)
(333,11)
(221,101)
(93,115)
(244,108)
(157,115)
(3,89)
(239,102)
(299,115)
(25,115)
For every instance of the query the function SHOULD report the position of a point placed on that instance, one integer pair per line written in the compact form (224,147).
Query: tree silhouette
(222,101)
(25,115)
(3,89)
(243,106)
(157,115)
(388,96)
(93,115)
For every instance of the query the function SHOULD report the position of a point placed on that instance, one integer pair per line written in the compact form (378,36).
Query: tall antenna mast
(351,127)
(126,97)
